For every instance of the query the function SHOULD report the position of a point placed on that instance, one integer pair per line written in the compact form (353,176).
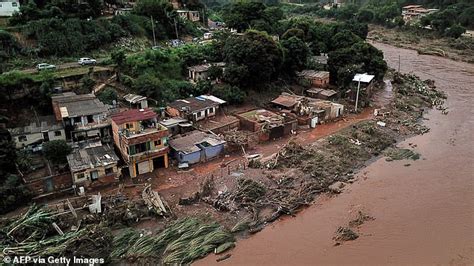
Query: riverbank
(424,42)
(423,212)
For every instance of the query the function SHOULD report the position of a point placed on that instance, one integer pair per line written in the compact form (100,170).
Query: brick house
(142,141)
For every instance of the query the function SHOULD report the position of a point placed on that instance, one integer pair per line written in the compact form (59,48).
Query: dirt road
(424,212)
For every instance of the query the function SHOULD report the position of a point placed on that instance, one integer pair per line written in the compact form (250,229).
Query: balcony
(148,154)
(145,133)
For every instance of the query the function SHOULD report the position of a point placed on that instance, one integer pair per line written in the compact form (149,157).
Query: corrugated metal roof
(91,157)
(134,115)
(213,98)
(134,98)
(187,144)
(365,78)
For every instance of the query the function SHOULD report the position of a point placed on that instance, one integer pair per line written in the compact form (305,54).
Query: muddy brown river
(424,212)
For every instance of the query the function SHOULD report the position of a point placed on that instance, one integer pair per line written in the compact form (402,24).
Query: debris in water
(400,154)
(345,234)
(361,218)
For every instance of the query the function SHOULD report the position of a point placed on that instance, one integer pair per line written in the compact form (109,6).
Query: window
(109,170)
(14,4)
(128,126)
(77,119)
(57,133)
(22,138)
(157,143)
(80,176)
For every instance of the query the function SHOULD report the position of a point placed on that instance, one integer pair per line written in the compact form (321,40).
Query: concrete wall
(190,158)
(8,8)
(87,173)
(38,137)
(212,151)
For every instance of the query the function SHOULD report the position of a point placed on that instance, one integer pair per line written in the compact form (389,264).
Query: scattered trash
(382,124)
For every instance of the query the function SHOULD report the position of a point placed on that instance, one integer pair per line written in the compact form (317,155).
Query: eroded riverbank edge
(423,212)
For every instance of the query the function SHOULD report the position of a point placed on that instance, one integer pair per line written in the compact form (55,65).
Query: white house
(8,7)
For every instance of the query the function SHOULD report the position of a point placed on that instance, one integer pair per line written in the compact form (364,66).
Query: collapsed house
(136,101)
(195,108)
(308,111)
(93,163)
(314,78)
(83,116)
(196,147)
(268,125)
(142,141)
(40,129)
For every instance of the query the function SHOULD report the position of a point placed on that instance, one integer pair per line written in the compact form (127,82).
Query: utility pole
(399,62)
(357,96)
(153,29)
(176,28)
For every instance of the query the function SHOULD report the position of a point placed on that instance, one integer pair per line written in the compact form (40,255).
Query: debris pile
(182,242)
(247,194)
(154,202)
(238,140)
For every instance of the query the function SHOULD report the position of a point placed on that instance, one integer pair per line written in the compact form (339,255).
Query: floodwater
(424,212)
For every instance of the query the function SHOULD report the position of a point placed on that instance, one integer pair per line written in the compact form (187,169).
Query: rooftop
(287,100)
(192,104)
(213,98)
(308,73)
(328,93)
(262,115)
(188,143)
(72,105)
(133,98)
(37,125)
(92,156)
(134,115)
(205,67)
(173,121)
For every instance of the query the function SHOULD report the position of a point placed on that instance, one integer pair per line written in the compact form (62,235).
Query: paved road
(60,66)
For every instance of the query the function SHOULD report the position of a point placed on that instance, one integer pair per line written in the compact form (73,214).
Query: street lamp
(357,95)
(366,78)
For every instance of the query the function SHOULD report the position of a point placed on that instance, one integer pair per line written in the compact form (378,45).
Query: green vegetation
(182,242)
(56,151)
(451,21)
(13,191)
(66,28)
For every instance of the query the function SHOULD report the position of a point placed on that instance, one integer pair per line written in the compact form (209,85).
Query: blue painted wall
(206,153)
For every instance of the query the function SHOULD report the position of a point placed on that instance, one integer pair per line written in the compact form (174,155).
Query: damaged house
(267,124)
(314,78)
(195,108)
(136,101)
(40,129)
(93,164)
(309,111)
(142,141)
(196,147)
(83,116)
